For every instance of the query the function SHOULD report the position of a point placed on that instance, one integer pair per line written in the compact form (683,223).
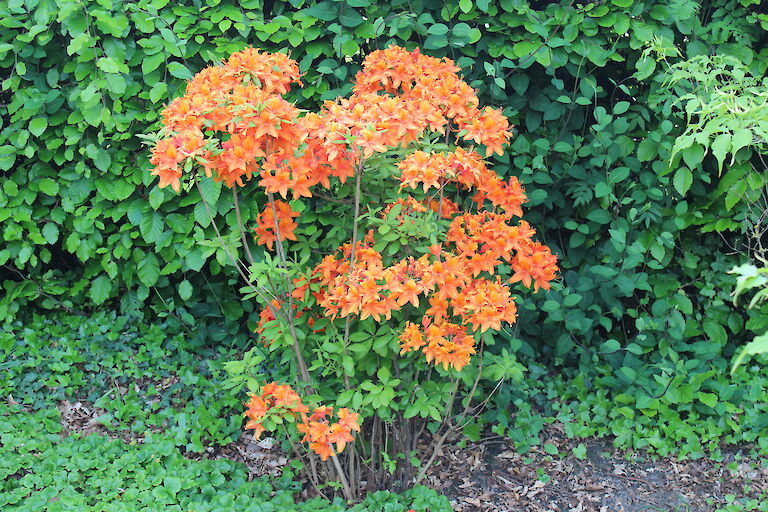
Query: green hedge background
(644,246)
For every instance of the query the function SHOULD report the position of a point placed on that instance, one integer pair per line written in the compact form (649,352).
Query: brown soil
(492,476)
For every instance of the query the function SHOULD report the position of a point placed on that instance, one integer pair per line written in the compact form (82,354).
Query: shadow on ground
(491,476)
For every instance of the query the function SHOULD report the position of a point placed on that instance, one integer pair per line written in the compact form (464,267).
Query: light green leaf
(149,270)
(100,289)
(682,180)
(38,125)
(720,147)
(108,65)
(185,290)
(179,70)
(757,346)
(741,138)
(709,399)
(50,232)
(48,186)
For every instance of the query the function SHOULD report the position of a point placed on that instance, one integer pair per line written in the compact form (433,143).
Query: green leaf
(621,107)
(757,346)
(108,65)
(48,186)
(158,91)
(194,260)
(524,48)
(156,197)
(116,83)
(462,34)
(412,410)
(628,373)
(435,42)
(693,155)
(173,484)
(519,83)
(646,150)
(201,214)
(600,216)
(149,270)
(645,68)
(741,138)
(151,227)
(100,289)
(683,180)
(151,62)
(351,18)
(326,11)
(438,29)
(210,191)
(720,147)
(50,232)
(179,70)
(185,290)
(709,399)
(38,125)
(100,156)
(295,38)
(550,448)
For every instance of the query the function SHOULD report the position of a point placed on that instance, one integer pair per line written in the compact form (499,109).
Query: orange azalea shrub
(455,244)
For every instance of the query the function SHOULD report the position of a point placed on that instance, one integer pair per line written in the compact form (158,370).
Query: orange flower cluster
(274,398)
(321,433)
(265,223)
(446,343)
(317,427)
(432,82)
(465,168)
(240,99)
(235,123)
(446,276)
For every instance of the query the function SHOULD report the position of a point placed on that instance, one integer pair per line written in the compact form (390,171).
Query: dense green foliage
(41,472)
(153,387)
(595,89)
(142,378)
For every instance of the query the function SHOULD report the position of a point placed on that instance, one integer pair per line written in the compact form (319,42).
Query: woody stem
(240,225)
(448,429)
(358,180)
(235,262)
(344,483)
(442,179)
(474,386)
(284,263)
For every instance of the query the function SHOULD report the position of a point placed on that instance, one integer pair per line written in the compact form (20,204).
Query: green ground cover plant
(142,377)
(40,471)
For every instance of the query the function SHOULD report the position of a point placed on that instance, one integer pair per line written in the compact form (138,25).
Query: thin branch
(348,323)
(240,226)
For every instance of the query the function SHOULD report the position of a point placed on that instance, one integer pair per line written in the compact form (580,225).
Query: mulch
(491,476)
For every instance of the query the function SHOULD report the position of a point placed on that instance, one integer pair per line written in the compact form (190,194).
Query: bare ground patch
(491,476)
